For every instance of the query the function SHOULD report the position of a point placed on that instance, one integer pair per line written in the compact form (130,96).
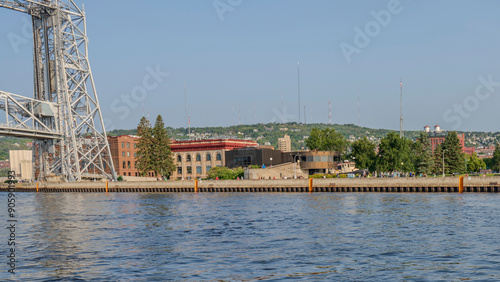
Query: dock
(476,184)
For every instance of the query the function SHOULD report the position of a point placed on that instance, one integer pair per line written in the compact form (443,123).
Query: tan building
(285,144)
(21,161)
(194,158)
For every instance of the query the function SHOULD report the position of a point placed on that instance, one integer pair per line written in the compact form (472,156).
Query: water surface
(255,236)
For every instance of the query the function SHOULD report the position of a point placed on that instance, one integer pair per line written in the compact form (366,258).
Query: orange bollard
(461,185)
(37,186)
(310,185)
(107,187)
(196,185)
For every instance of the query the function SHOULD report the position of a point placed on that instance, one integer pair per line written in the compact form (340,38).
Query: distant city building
(438,136)
(21,161)
(5,164)
(285,144)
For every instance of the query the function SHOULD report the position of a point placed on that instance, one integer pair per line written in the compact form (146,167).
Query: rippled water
(248,237)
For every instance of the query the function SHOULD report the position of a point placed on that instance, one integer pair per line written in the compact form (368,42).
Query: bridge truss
(63,117)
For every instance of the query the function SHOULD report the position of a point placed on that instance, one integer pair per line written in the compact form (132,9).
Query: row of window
(189,169)
(127,164)
(150,174)
(128,154)
(208,157)
(128,145)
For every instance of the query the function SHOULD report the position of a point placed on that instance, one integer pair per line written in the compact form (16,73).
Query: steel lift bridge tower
(63,117)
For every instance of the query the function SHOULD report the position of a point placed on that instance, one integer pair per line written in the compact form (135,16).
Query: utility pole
(401,122)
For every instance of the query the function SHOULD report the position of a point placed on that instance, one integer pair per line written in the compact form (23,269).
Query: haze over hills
(270,132)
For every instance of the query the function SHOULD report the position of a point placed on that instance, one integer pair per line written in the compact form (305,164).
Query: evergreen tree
(454,159)
(363,151)
(162,160)
(495,161)
(438,160)
(145,154)
(425,160)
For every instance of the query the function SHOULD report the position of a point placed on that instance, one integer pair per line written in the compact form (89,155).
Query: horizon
(238,61)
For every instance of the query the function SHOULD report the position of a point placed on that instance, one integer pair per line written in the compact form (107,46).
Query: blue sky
(239,62)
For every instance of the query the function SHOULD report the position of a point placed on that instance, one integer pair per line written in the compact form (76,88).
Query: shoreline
(391,185)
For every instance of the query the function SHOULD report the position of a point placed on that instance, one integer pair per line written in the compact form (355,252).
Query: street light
(443,161)
(295,165)
(271,161)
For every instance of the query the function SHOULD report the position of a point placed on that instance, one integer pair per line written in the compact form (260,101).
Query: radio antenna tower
(282,113)
(63,117)
(298,84)
(359,113)
(401,122)
(305,115)
(186,106)
(329,113)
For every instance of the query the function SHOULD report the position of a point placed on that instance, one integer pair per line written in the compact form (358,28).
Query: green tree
(224,173)
(495,161)
(162,157)
(396,154)
(438,160)
(454,159)
(474,163)
(145,155)
(326,140)
(424,158)
(363,151)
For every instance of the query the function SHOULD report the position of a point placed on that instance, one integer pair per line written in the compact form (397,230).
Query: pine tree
(495,161)
(454,159)
(163,161)
(425,160)
(438,160)
(144,145)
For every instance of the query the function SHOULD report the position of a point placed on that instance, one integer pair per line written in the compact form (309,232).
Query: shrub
(120,178)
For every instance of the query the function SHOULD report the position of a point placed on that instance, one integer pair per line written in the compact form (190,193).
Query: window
(188,158)
(209,167)
(123,154)
(219,166)
(124,164)
(135,154)
(198,169)
(128,164)
(208,157)
(128,145)
(136,174)
(123,145)
(124,174)
(128,154)
(135,164)
(242,161)
(198,158)
(179,170)
(179,158)
(129,174)
(189,170)
(219,157)
(104,165)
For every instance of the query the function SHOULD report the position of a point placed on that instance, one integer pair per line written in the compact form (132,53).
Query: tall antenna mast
(305,115)
(359,114)
(329,112)
(282,114)
(239,114)
(298,84)
(186,106)
(401,122)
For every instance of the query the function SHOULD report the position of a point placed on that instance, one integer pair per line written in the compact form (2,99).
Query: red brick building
(193,158)
(438,136)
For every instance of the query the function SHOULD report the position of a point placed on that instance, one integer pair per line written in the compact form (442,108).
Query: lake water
(249,237)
